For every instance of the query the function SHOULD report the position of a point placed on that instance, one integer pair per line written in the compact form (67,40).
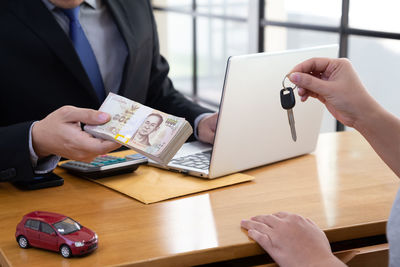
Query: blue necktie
(84,51)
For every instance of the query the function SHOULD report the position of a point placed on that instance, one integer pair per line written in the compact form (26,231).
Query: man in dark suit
(43,69)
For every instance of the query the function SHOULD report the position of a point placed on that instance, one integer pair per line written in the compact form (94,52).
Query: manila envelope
(149,184)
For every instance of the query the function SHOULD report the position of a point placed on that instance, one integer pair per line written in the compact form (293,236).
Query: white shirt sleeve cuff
(44,165)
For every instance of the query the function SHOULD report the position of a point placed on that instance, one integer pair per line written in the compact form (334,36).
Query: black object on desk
(104,166)
(41,181)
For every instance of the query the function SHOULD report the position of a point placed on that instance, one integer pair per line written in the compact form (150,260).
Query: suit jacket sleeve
(161,94)
(15,162)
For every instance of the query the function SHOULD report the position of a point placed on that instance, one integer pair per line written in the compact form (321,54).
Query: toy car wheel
(65,251)
(23,242)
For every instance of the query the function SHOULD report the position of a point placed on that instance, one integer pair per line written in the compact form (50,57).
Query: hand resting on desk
(291,240)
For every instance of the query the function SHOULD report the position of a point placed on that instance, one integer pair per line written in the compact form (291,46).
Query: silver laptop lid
(253,128)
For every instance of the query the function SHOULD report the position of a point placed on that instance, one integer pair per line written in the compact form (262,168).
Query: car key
(288,101)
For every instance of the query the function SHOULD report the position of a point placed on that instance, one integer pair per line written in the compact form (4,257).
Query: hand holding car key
(288,101)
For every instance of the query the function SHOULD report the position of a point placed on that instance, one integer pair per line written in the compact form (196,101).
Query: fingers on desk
(272,220)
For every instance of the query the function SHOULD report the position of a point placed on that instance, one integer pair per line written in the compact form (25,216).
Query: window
(67,226)
(375,16)
(32,224)
(197,36)
(45,228)
(325,12)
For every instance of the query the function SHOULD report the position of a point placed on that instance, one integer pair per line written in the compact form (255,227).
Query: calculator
(104,166)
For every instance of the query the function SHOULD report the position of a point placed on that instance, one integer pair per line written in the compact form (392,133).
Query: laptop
(252,127)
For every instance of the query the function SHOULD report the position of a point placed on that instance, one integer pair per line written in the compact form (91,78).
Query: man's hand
(206,128)
(60,134)
(291,240)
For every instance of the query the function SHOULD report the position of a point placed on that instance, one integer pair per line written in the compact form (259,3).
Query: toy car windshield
(67,226)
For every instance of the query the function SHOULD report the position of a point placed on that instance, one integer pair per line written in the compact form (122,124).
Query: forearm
(43,165)
(382,130)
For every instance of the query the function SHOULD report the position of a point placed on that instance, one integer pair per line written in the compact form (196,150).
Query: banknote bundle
(153,133)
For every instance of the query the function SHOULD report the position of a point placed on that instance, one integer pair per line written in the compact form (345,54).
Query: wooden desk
(344,187)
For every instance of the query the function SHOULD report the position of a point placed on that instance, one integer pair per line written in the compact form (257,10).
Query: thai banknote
(137,126)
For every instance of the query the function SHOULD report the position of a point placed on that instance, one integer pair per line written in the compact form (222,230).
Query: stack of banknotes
(152,133)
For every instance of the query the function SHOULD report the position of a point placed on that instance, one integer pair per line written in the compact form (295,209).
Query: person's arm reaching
(292,240)
(335,83)
(57,134)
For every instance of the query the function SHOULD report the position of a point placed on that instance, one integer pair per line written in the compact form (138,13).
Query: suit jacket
(40,72)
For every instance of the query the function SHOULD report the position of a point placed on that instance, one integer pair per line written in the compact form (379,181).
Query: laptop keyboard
(199,160)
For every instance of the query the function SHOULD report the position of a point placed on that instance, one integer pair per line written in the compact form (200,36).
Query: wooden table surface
(344,187)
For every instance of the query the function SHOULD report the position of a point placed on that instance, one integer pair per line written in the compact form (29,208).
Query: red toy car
(55,232)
